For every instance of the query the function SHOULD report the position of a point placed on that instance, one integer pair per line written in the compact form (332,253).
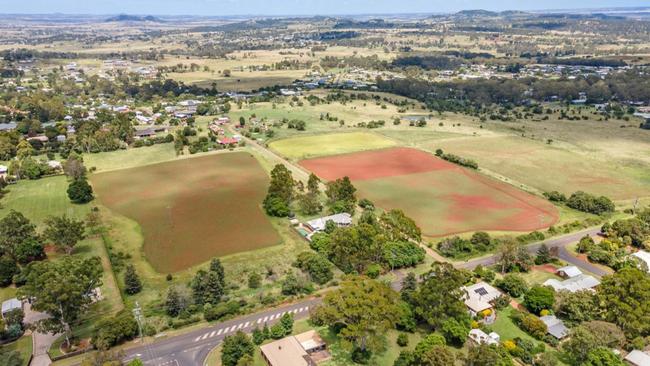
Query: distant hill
(477,13)
(133,18)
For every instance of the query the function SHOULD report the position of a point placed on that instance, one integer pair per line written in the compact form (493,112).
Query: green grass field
(192,210)
(298,148)
(129,158)
(506,328)
(23,345)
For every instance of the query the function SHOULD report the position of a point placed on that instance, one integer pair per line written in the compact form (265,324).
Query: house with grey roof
(638,358)
(340,219)
(574,284)
(555,326)
(569,272)
(479,297)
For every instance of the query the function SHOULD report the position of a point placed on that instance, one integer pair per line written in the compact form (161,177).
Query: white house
(479,297)
(638,358)
(10,305)
(574,284)
(569,272)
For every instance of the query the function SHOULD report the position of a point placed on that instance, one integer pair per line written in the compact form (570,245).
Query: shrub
(318,267)
(116,330)
(373,271)
(513,284)
(79,191)
(402,340)
(539,298)
(586,202)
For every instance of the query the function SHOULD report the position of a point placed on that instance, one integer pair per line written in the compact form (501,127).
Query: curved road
(192,348)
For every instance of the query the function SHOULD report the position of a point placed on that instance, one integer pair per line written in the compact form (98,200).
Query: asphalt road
(192,348)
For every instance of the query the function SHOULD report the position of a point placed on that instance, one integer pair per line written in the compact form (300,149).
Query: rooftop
(285,352)
(574,284)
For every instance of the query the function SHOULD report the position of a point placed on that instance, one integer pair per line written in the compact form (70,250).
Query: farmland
(191,210)
(329,144)
(441,197)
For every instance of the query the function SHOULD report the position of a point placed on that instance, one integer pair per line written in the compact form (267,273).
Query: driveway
(41,342)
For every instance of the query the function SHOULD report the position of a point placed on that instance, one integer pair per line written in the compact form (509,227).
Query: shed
(569,272)
(555,326)
(10,305)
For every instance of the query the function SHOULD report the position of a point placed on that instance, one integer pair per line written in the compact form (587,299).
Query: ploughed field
(191,210)
(441,197)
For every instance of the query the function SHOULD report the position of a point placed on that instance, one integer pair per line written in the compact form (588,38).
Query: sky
(291,7)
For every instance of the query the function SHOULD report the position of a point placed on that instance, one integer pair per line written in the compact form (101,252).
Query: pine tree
(309,202)
(287,323)
(132,284)
(543,255)
(173,305)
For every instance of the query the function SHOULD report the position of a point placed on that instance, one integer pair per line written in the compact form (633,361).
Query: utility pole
(137,313)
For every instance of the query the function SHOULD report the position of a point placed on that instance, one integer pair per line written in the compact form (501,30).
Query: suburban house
(228,141)
(340,219)
(141,134)
(555,326)
(638,358)
(574,284)
(480,337)
(10,305)
(479,298)
(304,349)
(643,258)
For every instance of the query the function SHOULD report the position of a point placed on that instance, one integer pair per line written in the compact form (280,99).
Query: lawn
(441,197)
(38,199)
(505,327)
(129,158)
(193,209)
(329,144)
(23,345)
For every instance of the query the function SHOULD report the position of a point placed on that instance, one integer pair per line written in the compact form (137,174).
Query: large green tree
(341,195)
(310,201)
(625,299)
(399,227)
(362,310)
(63,289)
(236,347)
(438,297)
(539,298)
(64,232)
(79,191)
(208,287)
(281,192)
(18,238)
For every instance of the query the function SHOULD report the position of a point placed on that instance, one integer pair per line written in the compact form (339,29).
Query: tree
(24,149)
(602,356)
(74,167)
(132,284)
(286,321)
(18,238)
(280,193)
(112,331)
(310,201)
(438,297)
(488,355)
(543,255)
(318,267)
(254,280)
(511,256)
(341,195)
(539,298)
(235,347)
(354,248)
(8,268)
(455,331)
(62,289)
(208,287)
(513,284)
(577,306)
(362,310)
(79,191)
(399,227)
(10,358)
(409,286)
(64,232)
(625,301)
(438,355)
(581,341)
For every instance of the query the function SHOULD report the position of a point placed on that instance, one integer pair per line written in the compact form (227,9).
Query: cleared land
(192,210)
(329,144)
(441,197)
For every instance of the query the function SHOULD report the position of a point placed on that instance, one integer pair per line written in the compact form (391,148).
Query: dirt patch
(191,210)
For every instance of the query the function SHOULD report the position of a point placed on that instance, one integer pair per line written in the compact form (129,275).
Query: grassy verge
(23,345)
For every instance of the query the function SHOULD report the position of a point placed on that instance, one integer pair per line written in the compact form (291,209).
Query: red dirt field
(192,210)
(441,197)
(375,164)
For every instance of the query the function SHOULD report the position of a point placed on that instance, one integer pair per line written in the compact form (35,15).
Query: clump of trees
(583,201)
(468,163)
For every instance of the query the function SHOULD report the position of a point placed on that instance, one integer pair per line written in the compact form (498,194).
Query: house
(574,284)
(299,350)
(227,141)
(3,171)
(41,138)
(638,358)
(643,258)
(555,326)
(480,337)
(53,164)
(478,299)
(340,219)
(8,126)
(569,272)
(10,305)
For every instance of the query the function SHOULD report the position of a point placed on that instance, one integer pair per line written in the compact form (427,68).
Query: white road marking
(212,334)
(240,326)
(259,320)
(247,324)
(205,336)
(219,332)
(226,330)
(265,319)
(197,338)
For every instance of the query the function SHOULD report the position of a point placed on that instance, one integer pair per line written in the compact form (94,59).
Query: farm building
(555,326)
(227,141)
(141,134)
(643,258)
(340,219)
(300,350)
(479,299)
(574,284)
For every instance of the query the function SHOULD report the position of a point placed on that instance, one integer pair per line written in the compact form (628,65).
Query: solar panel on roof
(481,291)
